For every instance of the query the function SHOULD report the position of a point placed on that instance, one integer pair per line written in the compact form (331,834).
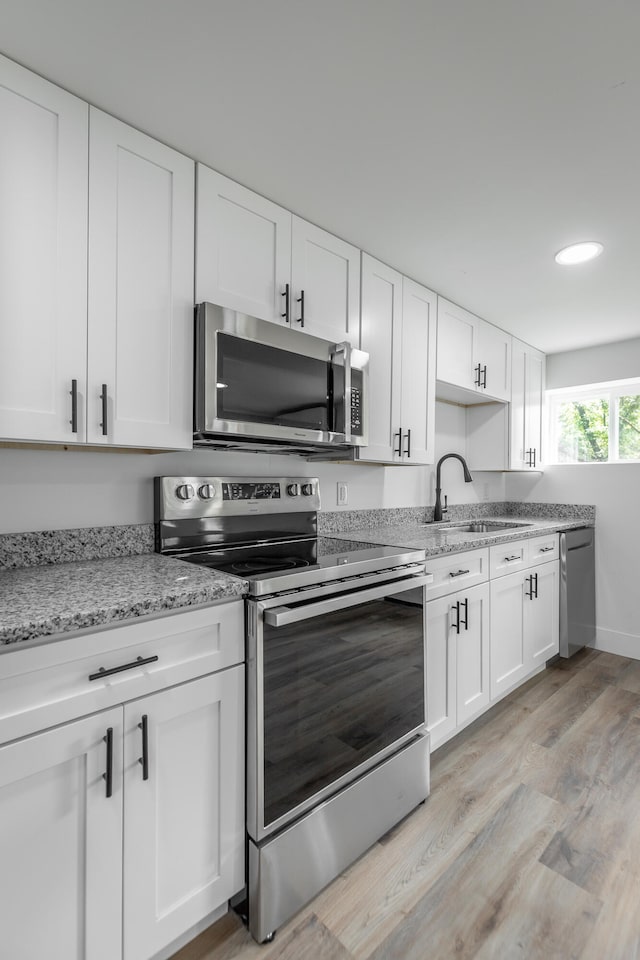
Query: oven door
(334,686)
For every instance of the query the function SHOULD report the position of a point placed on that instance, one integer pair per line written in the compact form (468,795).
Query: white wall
(612,487)
(44,490)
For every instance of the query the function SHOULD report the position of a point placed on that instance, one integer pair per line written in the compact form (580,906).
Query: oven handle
(279,616)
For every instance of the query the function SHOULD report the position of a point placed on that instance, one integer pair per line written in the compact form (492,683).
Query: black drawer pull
(144,759)
(459,573)
(515,557)
(139,662)
(108,776)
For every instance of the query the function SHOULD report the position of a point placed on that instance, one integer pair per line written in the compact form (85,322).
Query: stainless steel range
(337,750)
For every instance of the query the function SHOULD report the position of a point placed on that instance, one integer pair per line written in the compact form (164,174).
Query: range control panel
(190,497)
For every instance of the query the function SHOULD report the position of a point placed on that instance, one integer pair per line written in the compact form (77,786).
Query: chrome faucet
(438,510)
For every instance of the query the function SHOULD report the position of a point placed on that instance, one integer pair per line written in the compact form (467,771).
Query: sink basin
(484,526)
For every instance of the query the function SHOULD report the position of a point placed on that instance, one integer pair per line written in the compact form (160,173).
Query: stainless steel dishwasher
(577,590)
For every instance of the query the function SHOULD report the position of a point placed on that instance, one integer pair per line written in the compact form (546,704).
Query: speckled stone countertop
(43,601)
(438,538)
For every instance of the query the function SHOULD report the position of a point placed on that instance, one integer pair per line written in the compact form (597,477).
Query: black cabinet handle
(287,306)
(477,379)
(399,436)
(138,662)
(464,623)
(108,775)
(300,300)
(457,623)
(529,456)
(529,595)
(74,406)
(103,397)
(459,573)
(534,458)
(484,377)
(408,450)
(535,577)
(516,556)
(144,759)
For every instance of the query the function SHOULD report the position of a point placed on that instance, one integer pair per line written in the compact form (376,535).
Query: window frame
(611,391)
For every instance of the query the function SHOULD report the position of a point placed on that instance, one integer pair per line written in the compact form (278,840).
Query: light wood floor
(528,847)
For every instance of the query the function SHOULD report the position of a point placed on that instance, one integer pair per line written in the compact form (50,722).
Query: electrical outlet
(343,494)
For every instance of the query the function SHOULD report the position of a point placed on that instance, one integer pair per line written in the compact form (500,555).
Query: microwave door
(341,390)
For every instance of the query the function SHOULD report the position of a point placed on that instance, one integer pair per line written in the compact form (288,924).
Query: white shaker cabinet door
(325,274)
(243,249)
(381,338)
(184,824)
(140,289)
(61,843)
(509,655)
(43,257)
(541,613)
(493,355)
(457,332)
(441,669)
(418,376)
(473,693)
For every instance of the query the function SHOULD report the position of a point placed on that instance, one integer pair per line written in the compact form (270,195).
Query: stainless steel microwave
(262,386)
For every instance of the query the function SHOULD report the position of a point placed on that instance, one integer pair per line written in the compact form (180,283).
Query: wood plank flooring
(528,847)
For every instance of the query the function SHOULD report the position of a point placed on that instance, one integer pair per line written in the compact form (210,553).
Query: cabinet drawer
(543,549)
(505,558)
(61,680)
(457,571)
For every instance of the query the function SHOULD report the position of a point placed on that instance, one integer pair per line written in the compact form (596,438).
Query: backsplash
(100,543)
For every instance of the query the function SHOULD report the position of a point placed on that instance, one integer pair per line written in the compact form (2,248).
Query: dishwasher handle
(280,616)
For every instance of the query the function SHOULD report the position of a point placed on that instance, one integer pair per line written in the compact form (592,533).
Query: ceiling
(462,142)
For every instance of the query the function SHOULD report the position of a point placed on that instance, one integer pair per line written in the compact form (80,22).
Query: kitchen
(70,490)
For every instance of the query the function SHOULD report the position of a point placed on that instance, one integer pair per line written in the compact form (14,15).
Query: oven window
(261,384)
(337,690)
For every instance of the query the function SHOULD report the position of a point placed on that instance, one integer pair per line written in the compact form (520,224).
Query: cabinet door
(509,662)
(381,338)
(184,825)
(527,405)
(542,615)
(493,351)
(243,248)
(43,257)
(140,288)
(534,407)
(418,377)
(456,345)
(472,655)
(61,843)
(441,669)
(325,275)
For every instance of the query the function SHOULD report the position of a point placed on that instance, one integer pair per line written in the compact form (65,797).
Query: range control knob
(293,489)
(207,491)
(185,492)
(307,489)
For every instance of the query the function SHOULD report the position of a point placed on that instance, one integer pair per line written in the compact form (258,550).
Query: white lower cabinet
(524,624)
(61,843)
(457,660)
(122,832)
(183,827)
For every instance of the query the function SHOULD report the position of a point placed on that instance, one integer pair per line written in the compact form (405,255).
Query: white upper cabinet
(243,248)
(473,355)
(527,407)
(141,212)
(398,333)
(255,257)
(43,257)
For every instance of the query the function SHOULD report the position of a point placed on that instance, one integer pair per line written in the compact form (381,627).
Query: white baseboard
(623,644)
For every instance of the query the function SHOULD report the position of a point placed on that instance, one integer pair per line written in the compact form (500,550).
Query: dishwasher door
(577,590)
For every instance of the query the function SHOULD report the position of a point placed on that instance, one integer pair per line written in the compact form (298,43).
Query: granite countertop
(438,538)
(42,601)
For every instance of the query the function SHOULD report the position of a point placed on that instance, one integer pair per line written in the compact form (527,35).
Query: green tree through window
(597,425)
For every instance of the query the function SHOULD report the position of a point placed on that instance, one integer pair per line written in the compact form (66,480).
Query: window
(595,424)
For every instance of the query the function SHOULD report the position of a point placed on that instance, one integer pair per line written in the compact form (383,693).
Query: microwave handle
(280,616)
(345,348)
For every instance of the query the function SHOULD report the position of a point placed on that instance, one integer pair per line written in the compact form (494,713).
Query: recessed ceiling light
(579,253)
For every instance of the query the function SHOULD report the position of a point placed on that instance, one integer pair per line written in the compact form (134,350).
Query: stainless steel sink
(483,526)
